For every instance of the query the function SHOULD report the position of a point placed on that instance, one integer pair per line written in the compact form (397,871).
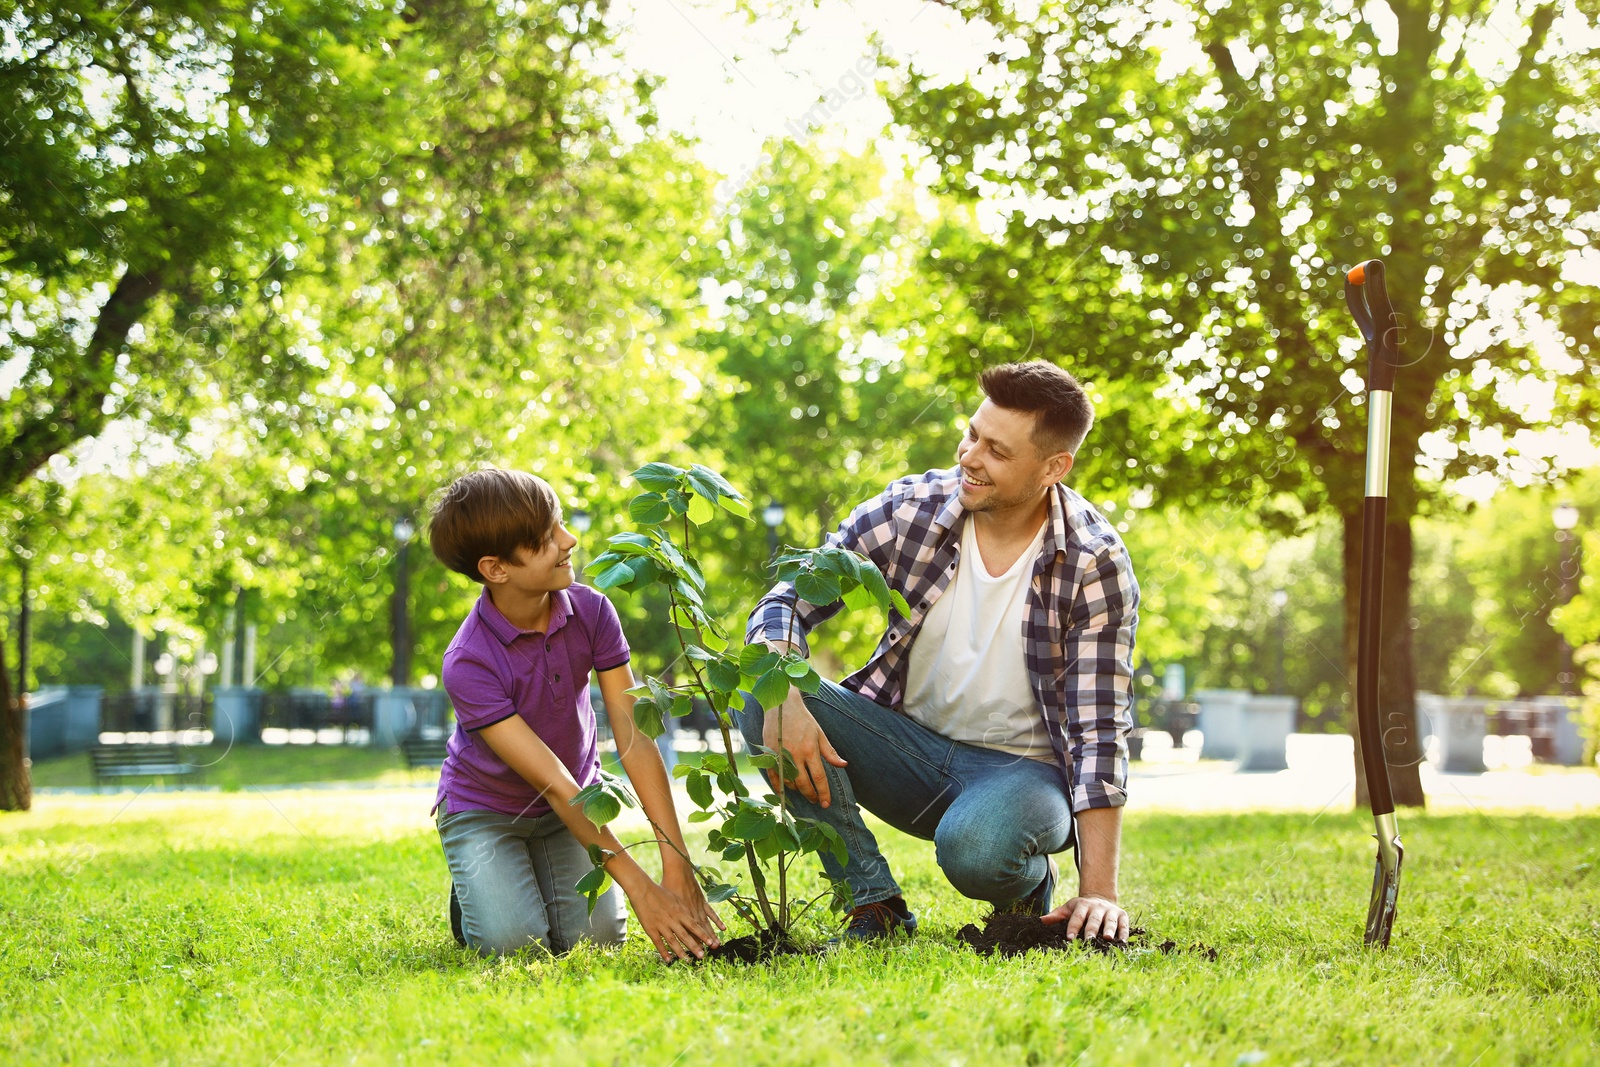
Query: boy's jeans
(514,877)
(993,817)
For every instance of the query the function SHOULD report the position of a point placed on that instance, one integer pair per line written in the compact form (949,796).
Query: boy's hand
(673,926)
(680,881)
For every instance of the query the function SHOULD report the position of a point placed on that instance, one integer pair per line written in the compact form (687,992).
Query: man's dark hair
(491,513)
(1061,410)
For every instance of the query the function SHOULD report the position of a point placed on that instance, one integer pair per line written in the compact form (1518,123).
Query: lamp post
(1280,601)
(1565,518)
(772,515)
(400,675)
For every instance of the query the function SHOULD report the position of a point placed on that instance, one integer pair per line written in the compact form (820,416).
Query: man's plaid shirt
(1078,632)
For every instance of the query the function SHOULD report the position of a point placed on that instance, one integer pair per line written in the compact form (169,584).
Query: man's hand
(806,744)
(1091,917)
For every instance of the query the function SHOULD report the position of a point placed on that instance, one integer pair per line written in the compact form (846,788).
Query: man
(997,714)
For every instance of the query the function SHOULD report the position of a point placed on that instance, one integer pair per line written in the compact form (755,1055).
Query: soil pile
(755,948)
(1012,935)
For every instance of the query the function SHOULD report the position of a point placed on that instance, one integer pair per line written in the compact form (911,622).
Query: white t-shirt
(967,679)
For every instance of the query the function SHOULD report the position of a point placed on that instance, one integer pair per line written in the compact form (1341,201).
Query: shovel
(1364,291)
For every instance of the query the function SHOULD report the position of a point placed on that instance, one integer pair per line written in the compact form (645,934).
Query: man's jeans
(993,817)
(515,879)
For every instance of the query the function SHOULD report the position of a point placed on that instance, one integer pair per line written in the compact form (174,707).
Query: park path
(1321,775)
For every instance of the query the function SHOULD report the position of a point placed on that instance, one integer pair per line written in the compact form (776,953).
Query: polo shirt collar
(502,627)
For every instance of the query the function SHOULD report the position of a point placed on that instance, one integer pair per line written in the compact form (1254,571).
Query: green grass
(244,765)
(307,927)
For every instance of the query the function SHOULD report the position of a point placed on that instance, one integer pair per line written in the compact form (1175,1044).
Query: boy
(518,675)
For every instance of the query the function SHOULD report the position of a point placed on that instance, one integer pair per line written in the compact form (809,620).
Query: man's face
(544,570)
(1001,467)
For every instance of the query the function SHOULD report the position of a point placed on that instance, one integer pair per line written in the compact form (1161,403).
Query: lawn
(237,766)
(307,927)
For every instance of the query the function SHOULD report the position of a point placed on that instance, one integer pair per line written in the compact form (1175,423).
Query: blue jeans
(993,817)
(515,879)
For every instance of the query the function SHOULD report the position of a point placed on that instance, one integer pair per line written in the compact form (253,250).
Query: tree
(813,402)
(1226,164)
(272,232)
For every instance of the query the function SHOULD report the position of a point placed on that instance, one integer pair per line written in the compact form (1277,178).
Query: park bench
(424,751)
(139,761)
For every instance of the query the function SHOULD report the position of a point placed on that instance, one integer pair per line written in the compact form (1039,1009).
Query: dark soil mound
(755,948)
(1012,935)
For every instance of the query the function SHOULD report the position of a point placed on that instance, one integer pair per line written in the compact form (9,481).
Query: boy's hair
(491,513)
(1061,410)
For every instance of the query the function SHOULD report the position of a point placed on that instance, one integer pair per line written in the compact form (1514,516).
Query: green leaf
(796,668)
(712,639)
(722,484)
(602,561)
(628,540)
(658,476)
(716,894)
(704,482)
(817,587)
(771,689)
(736,505)
(592,885)
(647,717)
(613,576)
(701,510)
(677,502)
(698,654)
(649,508)
(787,841)
(601,808)
(857,598)
(752,824)
(699,788)
(701,816)
(756,660)
(723,675)
(597,855)
(733,852)
(872,578)
(845,563)
(681,705)
(809,682)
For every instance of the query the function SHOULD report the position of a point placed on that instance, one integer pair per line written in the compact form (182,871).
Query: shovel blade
(1385,890)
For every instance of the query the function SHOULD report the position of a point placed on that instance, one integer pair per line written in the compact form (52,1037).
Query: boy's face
(534,572)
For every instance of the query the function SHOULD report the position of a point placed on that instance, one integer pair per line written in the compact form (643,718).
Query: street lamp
(1280,600)
(772,515)
(400,674)
(1565,517)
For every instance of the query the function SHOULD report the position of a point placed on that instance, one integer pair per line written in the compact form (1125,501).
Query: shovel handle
(1368,296)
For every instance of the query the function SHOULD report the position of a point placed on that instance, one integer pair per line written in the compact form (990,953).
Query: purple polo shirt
(493,671)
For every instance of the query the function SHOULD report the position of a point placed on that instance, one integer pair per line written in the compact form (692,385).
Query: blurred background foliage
(276,274)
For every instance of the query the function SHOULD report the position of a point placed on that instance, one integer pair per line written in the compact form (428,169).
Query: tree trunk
(1397,688)
(16,786)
